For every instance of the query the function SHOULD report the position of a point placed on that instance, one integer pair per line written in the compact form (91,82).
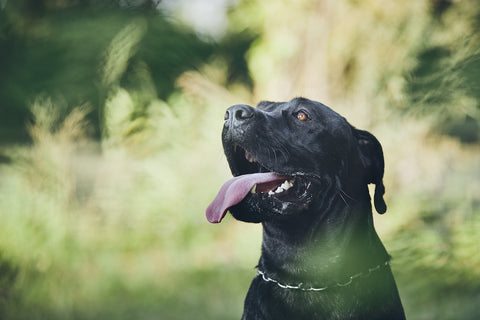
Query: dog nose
(239,113)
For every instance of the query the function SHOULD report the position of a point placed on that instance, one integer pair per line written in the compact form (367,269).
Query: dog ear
(371,156)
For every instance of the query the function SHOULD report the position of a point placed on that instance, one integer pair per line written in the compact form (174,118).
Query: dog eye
(302,116)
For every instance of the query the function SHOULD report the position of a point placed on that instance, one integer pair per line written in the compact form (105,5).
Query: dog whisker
(341,196)
(347,195)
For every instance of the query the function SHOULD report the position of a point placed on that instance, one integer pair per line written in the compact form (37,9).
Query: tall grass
(116,229)
(120,233)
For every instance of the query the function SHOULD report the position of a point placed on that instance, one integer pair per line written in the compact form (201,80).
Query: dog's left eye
(301,115)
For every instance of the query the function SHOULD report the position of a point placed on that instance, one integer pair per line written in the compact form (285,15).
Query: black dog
(302,171)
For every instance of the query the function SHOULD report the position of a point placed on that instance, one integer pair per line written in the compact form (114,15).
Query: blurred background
(110,150)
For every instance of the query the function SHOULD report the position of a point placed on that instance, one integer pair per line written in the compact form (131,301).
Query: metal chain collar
(338,284)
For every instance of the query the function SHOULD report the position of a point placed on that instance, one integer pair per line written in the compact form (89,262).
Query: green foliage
(89,235)
(444,84)
(8,275)
(435,242)
(77,52)
(114,227)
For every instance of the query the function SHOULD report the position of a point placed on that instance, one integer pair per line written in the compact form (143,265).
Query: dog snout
(239,114)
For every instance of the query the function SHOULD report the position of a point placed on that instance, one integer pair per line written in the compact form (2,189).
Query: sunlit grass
(122,232)
(116,228)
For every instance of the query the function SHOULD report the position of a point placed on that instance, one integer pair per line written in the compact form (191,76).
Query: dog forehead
(269,106)
(298,104)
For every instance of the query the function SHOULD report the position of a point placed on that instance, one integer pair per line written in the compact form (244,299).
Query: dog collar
(299,286)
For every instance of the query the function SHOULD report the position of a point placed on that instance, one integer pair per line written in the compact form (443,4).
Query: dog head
(285,156)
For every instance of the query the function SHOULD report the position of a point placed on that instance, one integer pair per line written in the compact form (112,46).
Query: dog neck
(341,242)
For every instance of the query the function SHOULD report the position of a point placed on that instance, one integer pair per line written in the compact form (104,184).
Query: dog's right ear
(371,156)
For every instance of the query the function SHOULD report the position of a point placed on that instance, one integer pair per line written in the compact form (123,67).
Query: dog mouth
(292,187)
(253,179)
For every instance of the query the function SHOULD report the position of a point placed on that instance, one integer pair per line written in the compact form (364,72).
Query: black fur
(321,231)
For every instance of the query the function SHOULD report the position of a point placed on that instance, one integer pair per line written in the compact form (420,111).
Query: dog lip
(241,154)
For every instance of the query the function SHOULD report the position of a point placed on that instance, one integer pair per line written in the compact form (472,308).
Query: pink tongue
(234,190)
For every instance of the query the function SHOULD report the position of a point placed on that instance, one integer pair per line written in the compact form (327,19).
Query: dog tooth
(271,193)
(249,157)
(254,189)
(279,190)
(286,185)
